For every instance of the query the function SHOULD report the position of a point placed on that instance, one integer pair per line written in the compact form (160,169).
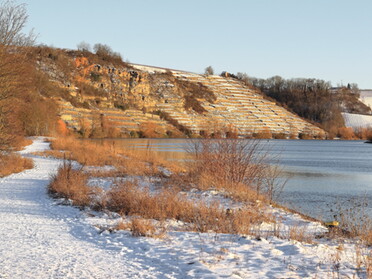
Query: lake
(324,174)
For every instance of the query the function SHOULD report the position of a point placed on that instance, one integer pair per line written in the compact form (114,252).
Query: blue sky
(325,39)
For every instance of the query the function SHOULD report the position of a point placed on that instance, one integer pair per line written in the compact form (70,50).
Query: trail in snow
(41,239)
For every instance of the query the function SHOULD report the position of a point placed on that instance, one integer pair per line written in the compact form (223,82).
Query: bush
(142,227)
(305,136)
(71,184)
(209,71)
(151,130)
(13,163)
(129,199)
(346,133)
(106,53)
(238,166)
(264,134)
(280,136)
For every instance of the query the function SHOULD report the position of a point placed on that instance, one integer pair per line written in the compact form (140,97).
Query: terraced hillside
(134,98)
(238,107)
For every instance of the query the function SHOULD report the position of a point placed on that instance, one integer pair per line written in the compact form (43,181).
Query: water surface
(324,174)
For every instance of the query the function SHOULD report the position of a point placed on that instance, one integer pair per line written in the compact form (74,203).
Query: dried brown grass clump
(355,220)
(129,199)
(131,162)
(142,227)
(239,167)
(23,143)
(14,163)
(300,234)
(71,184)
(84,152)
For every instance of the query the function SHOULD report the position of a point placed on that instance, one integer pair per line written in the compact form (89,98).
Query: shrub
(238,166)
(150,129)
(142,227)
(13,163)
(209,71)
(95,77)
(305,136)
(106,53)
(129,199)
(71,184)
(346,133)
(264,134)
(280,136)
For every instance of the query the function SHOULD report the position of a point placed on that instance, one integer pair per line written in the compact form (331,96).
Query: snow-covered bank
(41,239)
(357,120)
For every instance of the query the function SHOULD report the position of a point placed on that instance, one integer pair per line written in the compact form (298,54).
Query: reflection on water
(323,173)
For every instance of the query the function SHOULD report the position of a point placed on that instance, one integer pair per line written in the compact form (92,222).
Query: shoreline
(77,243)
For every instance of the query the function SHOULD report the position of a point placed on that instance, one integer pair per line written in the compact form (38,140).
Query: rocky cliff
(132,99)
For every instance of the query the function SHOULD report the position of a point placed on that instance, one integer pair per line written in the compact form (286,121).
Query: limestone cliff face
(133,96)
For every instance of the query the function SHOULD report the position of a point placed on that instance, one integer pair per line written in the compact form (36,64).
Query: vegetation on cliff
(313,99)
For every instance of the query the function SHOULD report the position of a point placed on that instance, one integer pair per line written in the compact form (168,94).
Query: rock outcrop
(131,96)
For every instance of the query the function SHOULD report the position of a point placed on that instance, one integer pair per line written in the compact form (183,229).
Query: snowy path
(41,240)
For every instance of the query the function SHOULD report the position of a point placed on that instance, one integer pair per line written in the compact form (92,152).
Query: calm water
(324,174)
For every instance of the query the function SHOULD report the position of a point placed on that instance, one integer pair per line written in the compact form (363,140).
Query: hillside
(98,95)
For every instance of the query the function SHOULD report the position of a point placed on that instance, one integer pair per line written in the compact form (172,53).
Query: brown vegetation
(71,184)
(13,163)
(130,162)
(151,130)
(235,165)
(129,199)
(142,227)
(346,133)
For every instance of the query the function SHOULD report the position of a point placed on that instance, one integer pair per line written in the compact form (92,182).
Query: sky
(323,39)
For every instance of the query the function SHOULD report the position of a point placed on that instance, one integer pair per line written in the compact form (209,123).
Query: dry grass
(23,143)
(300,234)
(85,152)
(129,199)
(130,162)
(142,227)
(71,184)
(122,226)
(238,167)
(354,219)
(14,163)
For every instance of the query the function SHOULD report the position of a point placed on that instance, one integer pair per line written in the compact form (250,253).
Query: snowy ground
(357,120)
(41,239)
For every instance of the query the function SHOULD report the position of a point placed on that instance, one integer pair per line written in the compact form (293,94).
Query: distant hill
(100,96)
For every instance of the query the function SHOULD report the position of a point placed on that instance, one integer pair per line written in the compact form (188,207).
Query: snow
(40,238)
(366,97)
(357,120)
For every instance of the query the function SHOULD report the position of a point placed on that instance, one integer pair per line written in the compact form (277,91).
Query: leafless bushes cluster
(71,184)
(354,219)
(13,163)
(127,162)
(129,199)
(238,166)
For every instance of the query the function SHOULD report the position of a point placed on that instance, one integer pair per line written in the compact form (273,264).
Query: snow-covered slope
(357,120)
(41,239)
(366,97)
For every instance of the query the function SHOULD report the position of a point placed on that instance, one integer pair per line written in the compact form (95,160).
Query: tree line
(313,99)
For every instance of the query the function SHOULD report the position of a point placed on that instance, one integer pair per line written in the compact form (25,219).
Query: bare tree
(105,52)
(209,71)
(84,46)
(13,65)
(13,19)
